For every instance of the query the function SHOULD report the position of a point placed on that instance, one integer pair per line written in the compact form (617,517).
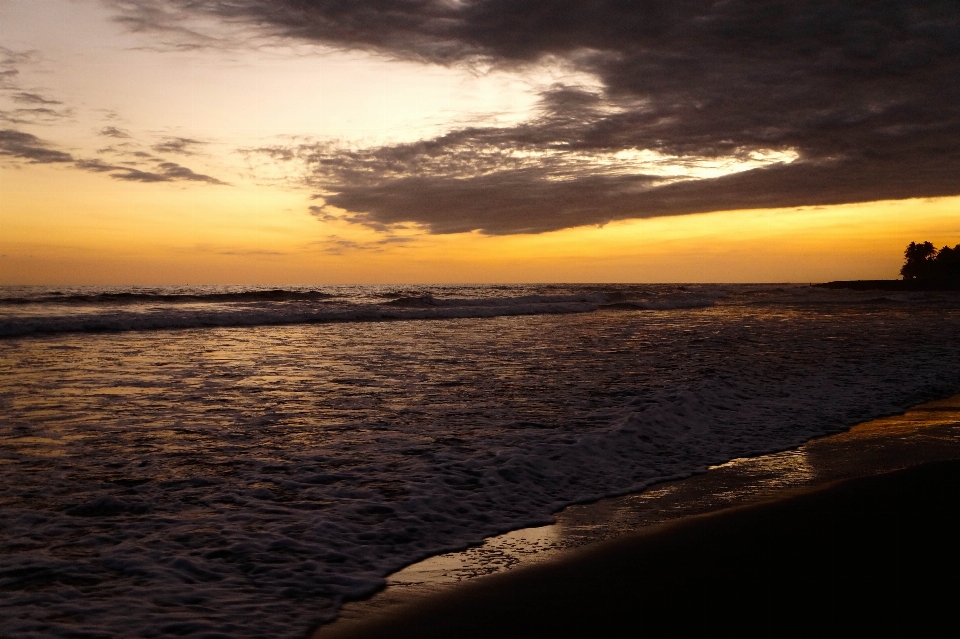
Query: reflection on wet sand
(928,432)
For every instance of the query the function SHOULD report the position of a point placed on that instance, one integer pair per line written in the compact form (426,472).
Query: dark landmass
(895,285)
(924,261)
(925,268)
(871,552)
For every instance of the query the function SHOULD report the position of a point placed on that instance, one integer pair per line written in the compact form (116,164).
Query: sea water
(237,461)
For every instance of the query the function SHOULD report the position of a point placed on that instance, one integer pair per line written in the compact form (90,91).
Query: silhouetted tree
(924,261)
(948,262)
(918,261)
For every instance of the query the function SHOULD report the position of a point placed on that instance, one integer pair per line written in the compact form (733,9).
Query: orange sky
(67,223)
(65,227)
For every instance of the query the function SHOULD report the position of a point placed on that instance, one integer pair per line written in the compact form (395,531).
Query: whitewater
(29,310)
(238,461)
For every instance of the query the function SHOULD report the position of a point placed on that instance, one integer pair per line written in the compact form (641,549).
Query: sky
(400,141)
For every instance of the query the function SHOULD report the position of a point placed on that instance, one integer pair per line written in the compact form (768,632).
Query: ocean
(238,461)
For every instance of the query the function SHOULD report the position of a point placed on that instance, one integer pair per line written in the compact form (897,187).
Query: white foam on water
(241,482)
(38,310)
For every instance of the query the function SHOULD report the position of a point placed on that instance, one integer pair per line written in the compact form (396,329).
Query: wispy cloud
(96,166)
(21,146)
(182,146)
(10,57)
(163,172)
(36,108)
(9,60)
(114,132)
(336,245)
(173,171)
(34,115)
(25,97)
(8,78)
(10,63)
(24,146)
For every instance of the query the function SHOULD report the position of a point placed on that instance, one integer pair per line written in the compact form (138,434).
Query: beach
(250,462)
(858,552)
(840,529)
(478,318)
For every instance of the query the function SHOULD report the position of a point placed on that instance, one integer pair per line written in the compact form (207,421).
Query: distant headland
(925,268)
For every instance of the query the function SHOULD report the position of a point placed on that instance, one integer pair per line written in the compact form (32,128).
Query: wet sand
(794,532)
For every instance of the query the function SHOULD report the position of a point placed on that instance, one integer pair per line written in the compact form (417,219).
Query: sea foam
(243,481)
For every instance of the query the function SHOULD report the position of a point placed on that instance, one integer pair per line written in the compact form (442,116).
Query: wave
(658,305)
(429,300)
(333,466)
(132,297)
(275,309)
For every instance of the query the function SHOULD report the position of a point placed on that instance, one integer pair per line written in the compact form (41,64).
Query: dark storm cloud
(183,146)
(863,93)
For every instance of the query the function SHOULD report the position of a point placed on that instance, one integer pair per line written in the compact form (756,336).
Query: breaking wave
(50,312)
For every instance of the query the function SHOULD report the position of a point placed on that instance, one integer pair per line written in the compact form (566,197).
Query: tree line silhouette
(923,261)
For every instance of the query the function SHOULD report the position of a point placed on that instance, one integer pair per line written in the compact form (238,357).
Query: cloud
(24,146)
(174,171)
(39,108)
(10,60)
(25,97)
(164,172)
(8,78)
(795,102)
(9,57)
(35,115)
(114,132)
(336,245)
(322,214)
(96,166)
(183,146)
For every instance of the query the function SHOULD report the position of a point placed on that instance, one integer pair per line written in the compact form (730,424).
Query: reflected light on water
(737,482)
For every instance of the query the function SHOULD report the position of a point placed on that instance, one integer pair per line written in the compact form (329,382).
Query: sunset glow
(145,144)
(317,317)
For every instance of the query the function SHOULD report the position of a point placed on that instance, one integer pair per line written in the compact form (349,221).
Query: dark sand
(841,543)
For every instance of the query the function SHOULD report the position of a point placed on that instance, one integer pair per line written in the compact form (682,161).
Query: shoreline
(900,286)
(929,432)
